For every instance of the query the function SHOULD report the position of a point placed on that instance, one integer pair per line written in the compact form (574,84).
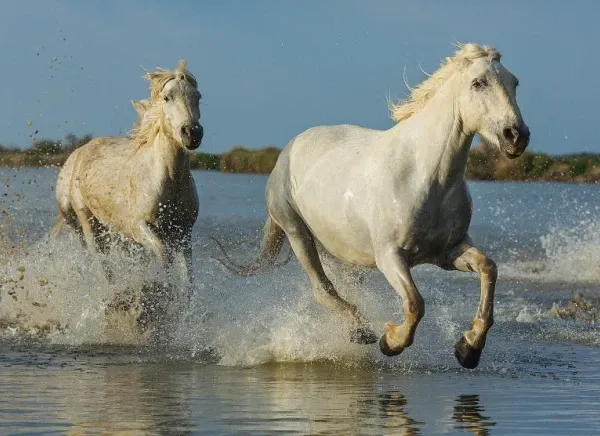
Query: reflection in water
(308,399)
(71,394)
(112,393)
(303,399)
(393,412)
(468,416)
(138,399)
(388,409)
(108,396)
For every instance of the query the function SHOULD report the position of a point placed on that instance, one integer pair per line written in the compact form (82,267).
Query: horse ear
(141,106)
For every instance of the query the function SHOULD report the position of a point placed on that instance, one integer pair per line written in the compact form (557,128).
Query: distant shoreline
(484,163)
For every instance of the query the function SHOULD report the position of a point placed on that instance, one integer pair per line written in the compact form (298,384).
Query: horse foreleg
(187,267)
(182,250)
(394,266)
(467,258)
(149,240)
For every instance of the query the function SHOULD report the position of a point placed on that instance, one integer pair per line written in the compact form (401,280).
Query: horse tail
(273,238)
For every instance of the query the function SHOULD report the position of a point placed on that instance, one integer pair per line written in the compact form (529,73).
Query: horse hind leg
(303,245)
(68,217)
(60,222)
(88,232)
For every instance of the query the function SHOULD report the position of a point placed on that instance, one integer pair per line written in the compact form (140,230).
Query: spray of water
(570,255)
(55,291)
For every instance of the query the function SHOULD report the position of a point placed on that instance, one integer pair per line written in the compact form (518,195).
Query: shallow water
(257,355)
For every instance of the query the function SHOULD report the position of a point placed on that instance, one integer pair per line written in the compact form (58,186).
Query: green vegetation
(206,161)
(242,160)
(485,162)
(43,152)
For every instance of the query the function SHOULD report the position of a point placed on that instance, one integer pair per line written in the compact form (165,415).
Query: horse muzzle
(515,140)
(191,137)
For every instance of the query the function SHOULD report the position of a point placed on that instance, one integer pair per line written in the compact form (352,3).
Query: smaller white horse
(398,198)
(140,186)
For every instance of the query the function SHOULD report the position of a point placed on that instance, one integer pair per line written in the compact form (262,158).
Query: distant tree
(9,149)
(70,141)
(46,146)
(206,161)
(73,141)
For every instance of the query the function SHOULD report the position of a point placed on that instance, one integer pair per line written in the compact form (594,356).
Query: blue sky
(268,69)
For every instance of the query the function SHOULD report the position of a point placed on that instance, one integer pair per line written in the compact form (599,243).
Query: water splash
(56,292)
(570,255)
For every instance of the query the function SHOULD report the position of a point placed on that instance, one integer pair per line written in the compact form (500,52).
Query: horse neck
(441,145)
(169,159)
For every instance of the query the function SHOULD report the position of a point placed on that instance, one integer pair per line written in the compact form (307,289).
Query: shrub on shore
(242,160)
(484,163)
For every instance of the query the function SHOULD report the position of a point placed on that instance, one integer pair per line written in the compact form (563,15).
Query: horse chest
(171,205)
(437,224)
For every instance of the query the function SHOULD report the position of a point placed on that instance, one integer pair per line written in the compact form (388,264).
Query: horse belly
(346,239)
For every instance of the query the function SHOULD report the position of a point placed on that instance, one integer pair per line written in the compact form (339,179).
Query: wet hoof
(363,335)
(467,356)
(387,350)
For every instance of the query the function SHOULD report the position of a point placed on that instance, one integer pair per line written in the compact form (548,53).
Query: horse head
(175,96)
(488,100)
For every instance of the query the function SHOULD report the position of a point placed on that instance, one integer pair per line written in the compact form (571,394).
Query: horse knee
(489,268)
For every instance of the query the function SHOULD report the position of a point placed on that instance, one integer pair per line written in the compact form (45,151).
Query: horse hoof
(387,350)
(467,356)
(363,335)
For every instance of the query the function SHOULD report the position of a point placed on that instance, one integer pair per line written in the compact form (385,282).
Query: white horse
(140,186)
(397,198)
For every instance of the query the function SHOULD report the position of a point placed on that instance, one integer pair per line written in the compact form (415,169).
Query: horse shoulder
(106,171)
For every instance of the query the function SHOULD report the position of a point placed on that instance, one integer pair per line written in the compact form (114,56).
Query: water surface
(257,355)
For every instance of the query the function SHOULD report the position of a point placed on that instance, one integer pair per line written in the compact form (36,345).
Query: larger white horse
(140,186)
(397,198)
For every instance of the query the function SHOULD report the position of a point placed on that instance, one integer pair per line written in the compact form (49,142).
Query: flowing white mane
(146,130)
(420,95)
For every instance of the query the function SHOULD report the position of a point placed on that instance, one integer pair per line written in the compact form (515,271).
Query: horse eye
(166,98)
(479,83)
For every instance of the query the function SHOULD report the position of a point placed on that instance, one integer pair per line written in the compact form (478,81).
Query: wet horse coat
(397,198)
(141,186)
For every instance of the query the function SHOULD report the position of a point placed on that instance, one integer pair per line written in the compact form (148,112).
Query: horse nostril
(511,135)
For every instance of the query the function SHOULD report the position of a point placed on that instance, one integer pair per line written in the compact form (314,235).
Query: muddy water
(257,355)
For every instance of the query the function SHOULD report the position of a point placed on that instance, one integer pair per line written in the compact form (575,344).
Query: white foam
(570,255)
(62,295)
